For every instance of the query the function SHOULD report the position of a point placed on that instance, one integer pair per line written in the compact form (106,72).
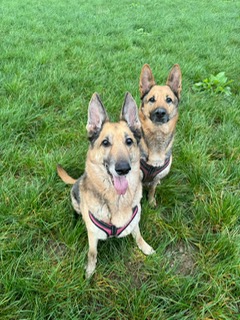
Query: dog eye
(105,143)
(129,142)
(169,100)
(152,99)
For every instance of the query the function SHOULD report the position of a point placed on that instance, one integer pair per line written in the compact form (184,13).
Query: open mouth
(119,182)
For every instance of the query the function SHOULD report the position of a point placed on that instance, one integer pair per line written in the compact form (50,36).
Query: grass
(54,55)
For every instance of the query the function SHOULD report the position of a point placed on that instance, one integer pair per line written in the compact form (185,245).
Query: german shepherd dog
(158,114)
(108,194)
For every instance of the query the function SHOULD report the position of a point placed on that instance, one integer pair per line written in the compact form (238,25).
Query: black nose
(160,112)
(159,115)
(122,167)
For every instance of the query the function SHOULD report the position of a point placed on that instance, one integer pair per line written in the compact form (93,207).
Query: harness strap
(110,229)
(150,172)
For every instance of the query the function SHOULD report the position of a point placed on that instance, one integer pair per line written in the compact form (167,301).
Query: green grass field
(53,55)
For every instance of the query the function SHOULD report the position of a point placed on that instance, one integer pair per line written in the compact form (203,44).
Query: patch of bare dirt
(181,258)
(55,250)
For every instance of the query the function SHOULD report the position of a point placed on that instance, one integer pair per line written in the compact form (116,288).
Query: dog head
(159,103)
(114,148)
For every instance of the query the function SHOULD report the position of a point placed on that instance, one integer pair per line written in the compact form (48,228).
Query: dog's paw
(153,203)
(89,272)
(147,249)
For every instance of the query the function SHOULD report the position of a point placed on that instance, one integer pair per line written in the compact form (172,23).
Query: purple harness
(150,172)
(110,229)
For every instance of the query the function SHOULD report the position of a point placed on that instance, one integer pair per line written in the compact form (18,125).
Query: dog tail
(64,176)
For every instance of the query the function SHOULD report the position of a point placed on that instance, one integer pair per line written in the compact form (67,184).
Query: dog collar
(110,229)
(150,172)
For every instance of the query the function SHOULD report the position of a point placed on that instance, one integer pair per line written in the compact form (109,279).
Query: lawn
(53,56)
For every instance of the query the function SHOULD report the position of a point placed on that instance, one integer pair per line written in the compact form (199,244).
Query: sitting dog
(108,194)
(158,114)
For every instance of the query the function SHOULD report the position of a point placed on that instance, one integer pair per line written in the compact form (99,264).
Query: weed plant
(215,84)
(53,56)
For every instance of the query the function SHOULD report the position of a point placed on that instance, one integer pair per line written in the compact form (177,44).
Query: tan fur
(157,142)
(95,191)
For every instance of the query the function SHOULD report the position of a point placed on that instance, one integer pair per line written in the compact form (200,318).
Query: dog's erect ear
(97,115)
(129,114)
(146,80)
(174,80)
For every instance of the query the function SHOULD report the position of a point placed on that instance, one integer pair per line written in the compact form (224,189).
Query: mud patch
(180,258)
(55,250)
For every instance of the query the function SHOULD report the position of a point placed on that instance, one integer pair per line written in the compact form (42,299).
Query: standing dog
(158,115)
(108,194)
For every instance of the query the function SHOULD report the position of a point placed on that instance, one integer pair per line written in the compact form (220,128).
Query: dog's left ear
(174,80)
(129,114)
(97,115)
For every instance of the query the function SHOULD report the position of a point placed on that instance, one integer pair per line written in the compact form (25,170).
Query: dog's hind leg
(142,244)
(92,254)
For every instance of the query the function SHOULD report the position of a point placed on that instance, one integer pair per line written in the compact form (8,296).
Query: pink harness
(110,229)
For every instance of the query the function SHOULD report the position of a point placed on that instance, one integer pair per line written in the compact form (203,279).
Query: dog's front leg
(92,254)
(142,244)
(151,195)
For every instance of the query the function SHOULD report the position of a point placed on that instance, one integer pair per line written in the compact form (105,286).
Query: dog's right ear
(146,80)
(97,115)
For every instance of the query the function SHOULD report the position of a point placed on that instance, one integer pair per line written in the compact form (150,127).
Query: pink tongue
(120,184)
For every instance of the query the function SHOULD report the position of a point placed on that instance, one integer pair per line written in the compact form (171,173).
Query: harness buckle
(113,231)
